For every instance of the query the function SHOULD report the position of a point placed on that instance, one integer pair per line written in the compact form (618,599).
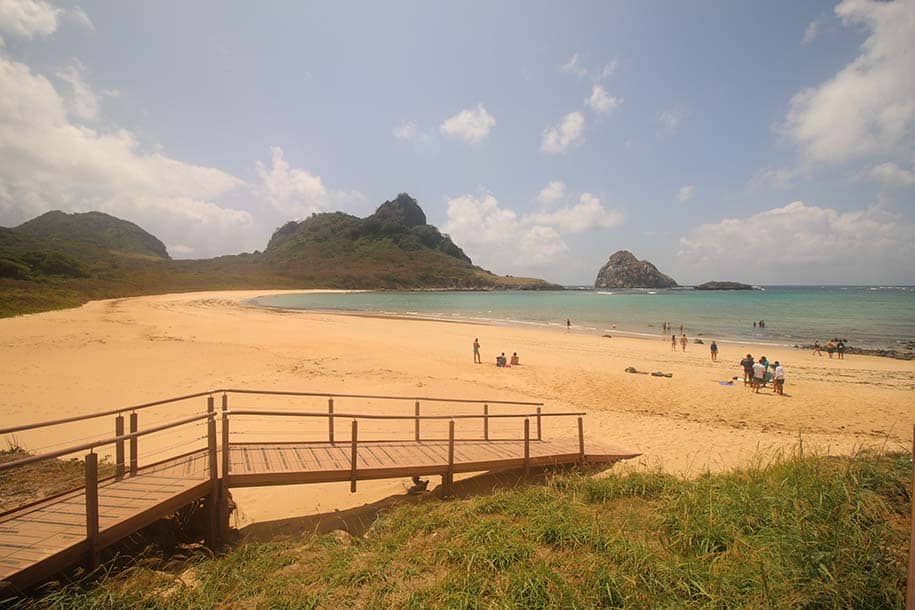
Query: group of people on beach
(683,342)
(756,374)
(833,346)
(501,360)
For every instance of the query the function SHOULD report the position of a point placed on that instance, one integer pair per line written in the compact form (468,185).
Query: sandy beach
(109,354)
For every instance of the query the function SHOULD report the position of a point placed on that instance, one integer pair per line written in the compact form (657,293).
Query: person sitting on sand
(683,341)
(778,381)
(816,348)
(747,364)
(514,360)
(713,348)
(759,376)
(500,360)
(476,352)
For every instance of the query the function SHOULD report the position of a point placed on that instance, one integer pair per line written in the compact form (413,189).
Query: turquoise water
(872,317)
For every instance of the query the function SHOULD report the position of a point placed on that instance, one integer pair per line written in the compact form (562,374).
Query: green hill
(63,260)
(95,228)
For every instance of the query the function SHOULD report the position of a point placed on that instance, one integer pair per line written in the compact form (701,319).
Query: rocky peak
(403,211)
(624,270)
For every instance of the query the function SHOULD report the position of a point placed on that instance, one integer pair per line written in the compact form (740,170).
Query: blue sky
(763,142)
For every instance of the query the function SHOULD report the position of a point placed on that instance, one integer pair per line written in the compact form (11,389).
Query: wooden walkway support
(41,539)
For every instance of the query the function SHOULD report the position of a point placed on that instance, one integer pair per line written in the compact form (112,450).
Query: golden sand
(108,354)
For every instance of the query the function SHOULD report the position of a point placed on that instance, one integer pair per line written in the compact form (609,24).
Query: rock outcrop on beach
(723,286)
(624,270)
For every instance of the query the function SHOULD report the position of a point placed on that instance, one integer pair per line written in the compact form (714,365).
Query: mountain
(96,228)
(63,260)
(624,270)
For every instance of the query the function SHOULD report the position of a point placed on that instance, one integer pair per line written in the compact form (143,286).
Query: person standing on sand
(747,364)
(830,347)
(476,352)
(713,348)
(759,376)
(840,349)
(568,324)
(816,348)
(683,341)
(673,343)
(778,381)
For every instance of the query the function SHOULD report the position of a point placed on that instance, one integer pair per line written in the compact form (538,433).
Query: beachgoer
(683,342)
(762,323)
(673,342)
(816,348)
(747,364)
(681,328)
(568,324)
(713,348)
(500,360)
(754,323)
(759,376)
(515,360)
(476,352)
(765,362)
(778,382)
(840,349)
(830,347)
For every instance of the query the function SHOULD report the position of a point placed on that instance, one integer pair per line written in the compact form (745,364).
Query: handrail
(67,420)
(101,442)
(155,403)
(402,417)
(422,398)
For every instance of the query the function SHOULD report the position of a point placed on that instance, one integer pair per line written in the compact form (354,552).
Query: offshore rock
(623,270)
(723,286)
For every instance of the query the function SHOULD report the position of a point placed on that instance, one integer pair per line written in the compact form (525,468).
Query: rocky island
(624,270)
(723,286)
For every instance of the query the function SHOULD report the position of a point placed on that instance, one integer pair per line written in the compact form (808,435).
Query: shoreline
(111,353)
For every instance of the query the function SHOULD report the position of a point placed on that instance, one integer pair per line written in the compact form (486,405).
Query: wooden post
(224,486)
(213,525)
(119,466)
(527,446)
(539,426)
(448,477)
(92,508)
(352,479)
(581,440)
(330,420)
(133,444)
(416,421)
(910,581)
(485,422)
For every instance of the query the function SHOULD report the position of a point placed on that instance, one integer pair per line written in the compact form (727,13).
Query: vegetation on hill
(63,260)
(803,532)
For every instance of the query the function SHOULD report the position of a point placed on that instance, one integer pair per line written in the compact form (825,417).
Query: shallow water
(867,316)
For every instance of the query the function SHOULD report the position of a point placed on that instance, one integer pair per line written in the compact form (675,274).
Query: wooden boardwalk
(48,536)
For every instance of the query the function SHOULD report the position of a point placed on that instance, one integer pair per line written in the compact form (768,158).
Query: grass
(802,532)
(39,480)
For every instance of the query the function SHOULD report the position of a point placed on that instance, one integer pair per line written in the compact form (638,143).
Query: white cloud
(47,162)
(802,243)
(552,193)
(27,18)
(569,132)
(686,193)
(82,102)
(601,102)
(573,66)
(891,175)
(868,107)
(504,240)
(609,69)
(406,131)
(670,120)
(781,178)
(471,126)
(812,30)
(79,16)
(588,213)
(297,193)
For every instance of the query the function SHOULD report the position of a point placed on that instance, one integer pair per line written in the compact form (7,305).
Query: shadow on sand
(356,521)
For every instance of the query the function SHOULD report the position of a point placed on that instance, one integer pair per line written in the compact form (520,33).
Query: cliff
(623,270)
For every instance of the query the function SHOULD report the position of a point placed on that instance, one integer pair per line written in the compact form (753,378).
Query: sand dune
(108,354)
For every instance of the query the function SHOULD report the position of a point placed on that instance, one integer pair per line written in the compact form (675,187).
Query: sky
(764,142)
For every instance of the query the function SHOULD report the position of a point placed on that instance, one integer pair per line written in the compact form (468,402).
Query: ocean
(872,317)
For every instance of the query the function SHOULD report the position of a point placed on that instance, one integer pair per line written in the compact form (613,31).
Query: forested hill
(62,260)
